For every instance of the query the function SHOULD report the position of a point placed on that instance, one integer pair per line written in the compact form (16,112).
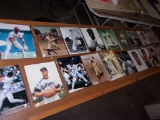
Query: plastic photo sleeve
(13,97)
(45,83)
(50,41)
(16,42)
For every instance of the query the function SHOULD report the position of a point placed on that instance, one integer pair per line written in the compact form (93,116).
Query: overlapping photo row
(13,97)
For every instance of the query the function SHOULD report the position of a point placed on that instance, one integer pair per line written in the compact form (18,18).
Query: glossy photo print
(144,39)
(146,57)
(137,60)
(13,97)
(45,83)
(16,42)
(50,41)
(127,64)
(109,39)
(95,68)
(93,39)
(74,40)
(112,64)
(132,36)
(123,41)
(74,73)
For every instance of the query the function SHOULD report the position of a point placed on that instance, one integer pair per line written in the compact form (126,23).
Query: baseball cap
(43,68)
(16,28)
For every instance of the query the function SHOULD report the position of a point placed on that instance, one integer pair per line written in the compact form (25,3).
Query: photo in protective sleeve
(44,82)
(74,73)
(74,40)
(112,64)
(137,60)
(50,41)
(146,57)
(123,41)
(95,68)
(153,53)
(93,39)
(108,39)
(16,42)
(126,62)
(151,36)
(143,38)
(13,97)
(132,36)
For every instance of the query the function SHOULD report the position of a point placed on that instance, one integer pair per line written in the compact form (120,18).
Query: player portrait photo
(126,62)
(93,39)
(143,38)
(50,41)
(74,40)
(137,60)
(13,97)
(95,68)
(154,54)
(132,36)
(45,85)
(146,57)
(123,41)
(74,73)
(112,64)
(16,42)
(109,39)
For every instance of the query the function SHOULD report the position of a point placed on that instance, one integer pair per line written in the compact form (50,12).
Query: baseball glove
(25,48)
(49,92)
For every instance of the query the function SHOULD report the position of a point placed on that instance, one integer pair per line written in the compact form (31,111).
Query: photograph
(126,62)
(74,40)
(133,37)
(112,65)
(74,73)
(50,41)
(16,42)
(123,41)
(137,60)
(93,39)
(144,39)
(151,36)
(44,83)
(13,97)
(95,68)
(153,53)
(146,57)
(110,41)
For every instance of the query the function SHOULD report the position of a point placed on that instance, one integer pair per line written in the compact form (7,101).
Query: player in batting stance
(12,40)
(47,88)
(7,90)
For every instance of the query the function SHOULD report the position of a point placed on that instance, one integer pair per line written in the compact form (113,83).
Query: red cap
(16,28)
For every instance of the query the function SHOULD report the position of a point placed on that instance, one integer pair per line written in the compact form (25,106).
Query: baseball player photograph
(112,64)
(95,68)
(123,41)
(143,38)
(146,57)
(50,41)
(74,40)
(13,96)
(109,39)
(126,62)
(93,39)
(133,37)
(137,60)
(16,42)
(45,84)
(74,73)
